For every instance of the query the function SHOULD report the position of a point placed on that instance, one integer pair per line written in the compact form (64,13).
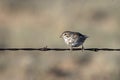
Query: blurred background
(39,23)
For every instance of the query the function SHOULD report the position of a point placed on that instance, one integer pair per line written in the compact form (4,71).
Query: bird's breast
(73,42)
(68,40)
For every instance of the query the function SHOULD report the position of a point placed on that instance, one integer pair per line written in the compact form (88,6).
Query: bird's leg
(71,48)
(82,48)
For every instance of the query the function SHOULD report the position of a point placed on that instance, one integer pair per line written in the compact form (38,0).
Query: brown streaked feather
(75,36)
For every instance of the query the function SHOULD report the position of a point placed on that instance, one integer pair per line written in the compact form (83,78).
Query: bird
(73,39)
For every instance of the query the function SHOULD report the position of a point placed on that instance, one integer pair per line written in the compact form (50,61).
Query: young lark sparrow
(73,39)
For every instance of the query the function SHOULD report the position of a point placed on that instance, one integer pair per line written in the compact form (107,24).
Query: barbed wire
(57,49)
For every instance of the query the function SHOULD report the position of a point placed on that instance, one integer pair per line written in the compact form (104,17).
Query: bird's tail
(86,36)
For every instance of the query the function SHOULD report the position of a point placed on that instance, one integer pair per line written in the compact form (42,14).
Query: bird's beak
(60,36)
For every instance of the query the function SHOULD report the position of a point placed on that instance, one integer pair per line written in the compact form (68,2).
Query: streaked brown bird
(73,39)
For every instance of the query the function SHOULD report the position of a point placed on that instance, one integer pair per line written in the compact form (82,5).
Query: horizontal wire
(57,49)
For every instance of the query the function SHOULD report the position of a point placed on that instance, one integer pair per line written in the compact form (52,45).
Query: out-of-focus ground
(39,23)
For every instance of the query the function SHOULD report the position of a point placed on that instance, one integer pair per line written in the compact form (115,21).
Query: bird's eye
(65,34)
